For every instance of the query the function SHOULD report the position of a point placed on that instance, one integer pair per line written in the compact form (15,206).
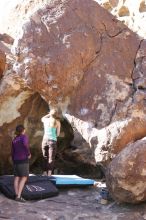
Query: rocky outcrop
(126,174)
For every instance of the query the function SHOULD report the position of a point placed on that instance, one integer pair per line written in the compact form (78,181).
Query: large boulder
(126,174)
(92,53)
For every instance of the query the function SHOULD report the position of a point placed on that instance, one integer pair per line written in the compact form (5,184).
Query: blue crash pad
(71,180)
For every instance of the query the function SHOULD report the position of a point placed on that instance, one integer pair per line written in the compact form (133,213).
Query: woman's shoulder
(23,136)
(19,138)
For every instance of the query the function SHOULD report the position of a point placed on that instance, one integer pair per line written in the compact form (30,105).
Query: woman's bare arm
(58,128)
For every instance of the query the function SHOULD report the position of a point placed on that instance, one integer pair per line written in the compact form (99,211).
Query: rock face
(132,13)
(126,174)
(95,60)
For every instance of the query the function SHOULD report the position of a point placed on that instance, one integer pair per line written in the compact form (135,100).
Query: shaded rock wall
(107,142)
(24,108)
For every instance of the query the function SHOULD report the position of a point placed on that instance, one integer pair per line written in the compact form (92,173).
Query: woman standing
(49,143)
(20,156)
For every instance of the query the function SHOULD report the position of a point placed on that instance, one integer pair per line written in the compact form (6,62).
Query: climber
(49,143)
